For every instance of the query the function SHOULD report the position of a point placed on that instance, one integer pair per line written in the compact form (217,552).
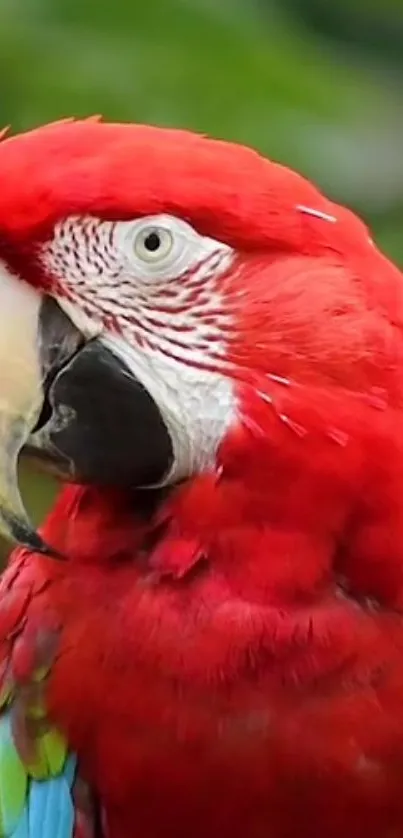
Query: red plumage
(231,660)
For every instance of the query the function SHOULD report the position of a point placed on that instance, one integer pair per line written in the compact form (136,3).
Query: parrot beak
(71,405)
(20,399)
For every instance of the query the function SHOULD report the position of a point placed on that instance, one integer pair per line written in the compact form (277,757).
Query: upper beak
(20,398)
(24,365)
(70,402)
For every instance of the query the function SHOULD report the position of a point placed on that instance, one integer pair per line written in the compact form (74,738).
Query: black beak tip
(27,536)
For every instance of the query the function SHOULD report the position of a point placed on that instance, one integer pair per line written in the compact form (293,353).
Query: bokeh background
(315,84)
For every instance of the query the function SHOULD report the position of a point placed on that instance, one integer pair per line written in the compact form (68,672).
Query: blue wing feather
(50,806)
(31,808)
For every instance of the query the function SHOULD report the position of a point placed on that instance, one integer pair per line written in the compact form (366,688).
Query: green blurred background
(313,83)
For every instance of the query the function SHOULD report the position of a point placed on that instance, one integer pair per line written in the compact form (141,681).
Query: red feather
(231,697)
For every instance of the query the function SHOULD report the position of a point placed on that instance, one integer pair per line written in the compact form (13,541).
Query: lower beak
(71,404)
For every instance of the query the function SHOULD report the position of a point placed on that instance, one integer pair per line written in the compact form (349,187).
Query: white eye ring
(153,243)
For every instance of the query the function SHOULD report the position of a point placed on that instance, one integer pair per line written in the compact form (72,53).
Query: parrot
(205,636)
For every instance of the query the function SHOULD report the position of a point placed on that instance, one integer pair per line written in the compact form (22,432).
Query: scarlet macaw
(206,636)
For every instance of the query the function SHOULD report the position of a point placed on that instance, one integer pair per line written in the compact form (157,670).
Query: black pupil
(152,242)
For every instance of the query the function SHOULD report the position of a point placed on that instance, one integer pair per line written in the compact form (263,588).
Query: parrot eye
(153,244)
(163,247)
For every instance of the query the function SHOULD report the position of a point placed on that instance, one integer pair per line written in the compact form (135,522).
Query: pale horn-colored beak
(21,398)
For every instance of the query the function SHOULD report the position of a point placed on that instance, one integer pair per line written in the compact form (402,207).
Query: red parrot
(210,621)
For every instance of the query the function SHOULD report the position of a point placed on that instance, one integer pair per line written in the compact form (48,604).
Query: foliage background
(315,84)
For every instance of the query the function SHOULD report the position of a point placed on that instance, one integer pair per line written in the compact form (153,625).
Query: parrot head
(173,306)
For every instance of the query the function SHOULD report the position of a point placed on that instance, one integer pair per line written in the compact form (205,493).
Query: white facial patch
(151,288)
